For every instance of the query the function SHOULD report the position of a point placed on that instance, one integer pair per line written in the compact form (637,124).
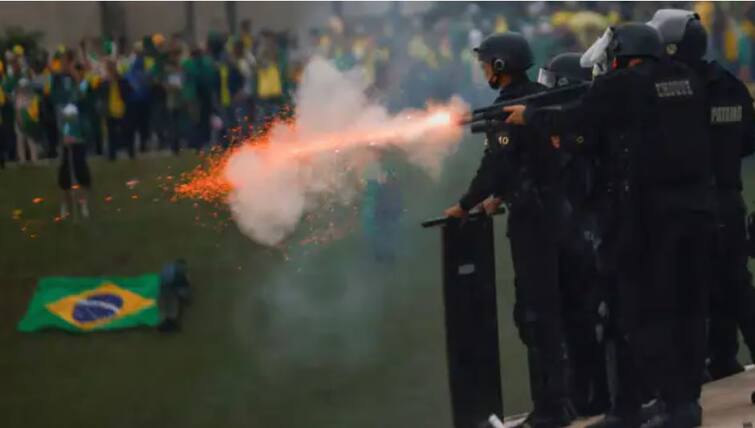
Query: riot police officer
(653,116)
(564,69)
(578,276)
(732,123)
(524,174)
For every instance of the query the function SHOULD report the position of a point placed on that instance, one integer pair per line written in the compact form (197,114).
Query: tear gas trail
(318,158)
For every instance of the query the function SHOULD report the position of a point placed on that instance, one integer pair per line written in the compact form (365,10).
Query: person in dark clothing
(74,172)
(197,86)
(525,174)
(116,91)
(173,82)
(578,276)
(229,96)
(732,122)
(139,102)
(651,115)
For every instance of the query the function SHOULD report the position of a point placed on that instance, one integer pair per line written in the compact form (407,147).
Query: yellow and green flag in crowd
(79,304)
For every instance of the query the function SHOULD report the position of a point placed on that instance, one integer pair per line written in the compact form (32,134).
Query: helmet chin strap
(493,81)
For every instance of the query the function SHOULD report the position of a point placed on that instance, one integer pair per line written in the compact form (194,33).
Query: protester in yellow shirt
(269,90)
(269,85)
(116,92)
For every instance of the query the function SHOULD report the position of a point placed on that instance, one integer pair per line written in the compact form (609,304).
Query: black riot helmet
(564,69)
(682,33)
(634,40)
(508,53)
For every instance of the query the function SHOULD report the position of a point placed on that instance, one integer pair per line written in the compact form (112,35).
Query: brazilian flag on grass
(91,304)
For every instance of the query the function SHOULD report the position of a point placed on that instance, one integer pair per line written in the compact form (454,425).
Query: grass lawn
(318,336)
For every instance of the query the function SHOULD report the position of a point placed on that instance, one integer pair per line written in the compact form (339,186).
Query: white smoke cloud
(273,189)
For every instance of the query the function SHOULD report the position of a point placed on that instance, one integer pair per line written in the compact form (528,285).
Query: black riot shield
(469,297)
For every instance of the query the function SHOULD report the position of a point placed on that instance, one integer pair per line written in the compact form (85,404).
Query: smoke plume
(319,159)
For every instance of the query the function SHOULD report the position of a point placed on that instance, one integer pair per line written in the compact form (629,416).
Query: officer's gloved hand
(516,114)
(491,204)
(455,211)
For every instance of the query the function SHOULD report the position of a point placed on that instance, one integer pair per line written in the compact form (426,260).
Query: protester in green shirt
(28,128)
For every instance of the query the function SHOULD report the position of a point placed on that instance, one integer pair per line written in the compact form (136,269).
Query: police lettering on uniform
(732,128)
(651,115)
(519,169)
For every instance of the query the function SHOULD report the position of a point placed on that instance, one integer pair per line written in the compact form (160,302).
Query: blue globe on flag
(97,307)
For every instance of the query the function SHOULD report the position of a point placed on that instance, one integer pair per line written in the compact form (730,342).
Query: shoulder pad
(720,74)
(717,72)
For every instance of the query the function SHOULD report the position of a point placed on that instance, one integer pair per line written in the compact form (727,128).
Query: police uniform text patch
(674,88)
(725,114)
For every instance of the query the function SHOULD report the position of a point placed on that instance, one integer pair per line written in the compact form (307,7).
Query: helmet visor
(546,77)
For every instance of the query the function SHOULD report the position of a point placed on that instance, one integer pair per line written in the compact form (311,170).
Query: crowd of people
(169,92)
(160,92)
(658,202)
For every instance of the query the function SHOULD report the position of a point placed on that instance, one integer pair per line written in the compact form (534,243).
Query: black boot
(689,415)
(652,409)
(718,369)
(552,407)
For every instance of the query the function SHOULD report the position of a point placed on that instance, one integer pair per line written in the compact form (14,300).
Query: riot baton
(471,318)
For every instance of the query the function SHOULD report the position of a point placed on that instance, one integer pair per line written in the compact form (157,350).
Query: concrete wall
(285,15)
(61,22)
(151,17)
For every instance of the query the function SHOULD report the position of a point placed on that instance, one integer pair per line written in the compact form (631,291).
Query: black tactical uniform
(654,146)
(525,175)
(732,130)
(733,137)
(578,277)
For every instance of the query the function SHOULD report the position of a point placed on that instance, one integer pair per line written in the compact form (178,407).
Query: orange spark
(206,182)
(37,200)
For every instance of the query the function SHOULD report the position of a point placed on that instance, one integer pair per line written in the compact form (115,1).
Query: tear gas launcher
(492,117)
